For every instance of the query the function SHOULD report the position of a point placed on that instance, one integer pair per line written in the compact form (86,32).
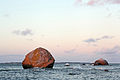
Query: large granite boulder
(101,62)
(39,57)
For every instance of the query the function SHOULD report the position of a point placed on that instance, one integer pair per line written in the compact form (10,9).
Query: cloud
(17,32)
(100,2)
(90,40)
(113,1)
(107,37)
(114,50)
(78,1)
(93,40)
(23,32)
(26,32)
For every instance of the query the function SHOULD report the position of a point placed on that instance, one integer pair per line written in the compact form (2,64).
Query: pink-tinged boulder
(101,62)
(39,57)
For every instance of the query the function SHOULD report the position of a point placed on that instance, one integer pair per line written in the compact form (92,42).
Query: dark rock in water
(25,66)
(101,62)
(106,70)
(83,64)
(73,73)
(39,57)
(93,72)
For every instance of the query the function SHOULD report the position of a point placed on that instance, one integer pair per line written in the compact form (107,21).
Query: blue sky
(74,30)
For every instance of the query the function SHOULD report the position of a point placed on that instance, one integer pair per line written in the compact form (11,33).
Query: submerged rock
(101,62)
(39,57)
(106,70)
(83,64)
(73,73)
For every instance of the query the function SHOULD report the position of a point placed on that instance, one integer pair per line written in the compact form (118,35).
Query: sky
(72,30)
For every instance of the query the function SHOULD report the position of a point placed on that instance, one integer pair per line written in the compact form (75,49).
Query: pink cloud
(99,2)
(78,1)
(92,2)
(116,1)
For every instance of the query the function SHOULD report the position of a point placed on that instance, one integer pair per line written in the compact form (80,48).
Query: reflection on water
(76,71)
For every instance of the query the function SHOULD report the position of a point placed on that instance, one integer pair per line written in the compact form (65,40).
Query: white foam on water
(75,71)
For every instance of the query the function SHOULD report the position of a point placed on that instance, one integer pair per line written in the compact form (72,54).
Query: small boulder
(106,70)
(39,57)
(101,62)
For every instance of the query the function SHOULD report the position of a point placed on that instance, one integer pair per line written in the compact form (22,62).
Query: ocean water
(76,71)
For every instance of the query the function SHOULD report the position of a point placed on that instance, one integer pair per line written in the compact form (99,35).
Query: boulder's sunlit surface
(76,71)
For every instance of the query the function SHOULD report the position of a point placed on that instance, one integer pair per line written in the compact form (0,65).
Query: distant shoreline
(55,62)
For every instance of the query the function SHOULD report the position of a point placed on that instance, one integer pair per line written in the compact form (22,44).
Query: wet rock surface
(39,57)
(101,62)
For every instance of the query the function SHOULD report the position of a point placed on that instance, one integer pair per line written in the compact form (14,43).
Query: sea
(76,71)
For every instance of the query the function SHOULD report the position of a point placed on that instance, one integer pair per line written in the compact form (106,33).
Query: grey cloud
(90,40)
(94,40)
(114,50)
(23,32)
(26,32)
(17,32)
(107,37)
